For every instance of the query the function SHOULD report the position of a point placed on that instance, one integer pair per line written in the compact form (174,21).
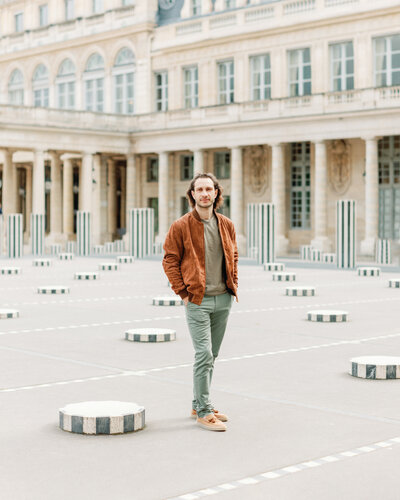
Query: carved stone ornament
(340,165)
(257,160)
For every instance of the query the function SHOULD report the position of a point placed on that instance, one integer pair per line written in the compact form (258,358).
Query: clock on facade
(166,4)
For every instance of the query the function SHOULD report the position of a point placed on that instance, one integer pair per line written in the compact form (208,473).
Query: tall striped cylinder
(346,233)
(141,234)
(306,252)
(15,236)
(83,233)
(71,247)
(383,254)
(109,247)
(261,232)
(1,233)
(55,248)
(119,246)
(37,234)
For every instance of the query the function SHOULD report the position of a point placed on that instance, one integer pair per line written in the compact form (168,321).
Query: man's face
(204,193)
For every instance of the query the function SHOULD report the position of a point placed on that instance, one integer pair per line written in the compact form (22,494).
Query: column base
(321,243)
(367,247)
(281,245)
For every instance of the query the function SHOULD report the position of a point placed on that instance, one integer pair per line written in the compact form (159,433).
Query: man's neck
(205,213)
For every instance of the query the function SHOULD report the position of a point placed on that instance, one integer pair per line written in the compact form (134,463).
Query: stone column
(85,184)
(38,188)
(162,196)
(111,198)
(278,197)
(9,188)
(55,198)
(68,198)
(371,197)
(320,240)
(28,201)
(96,200)
(130,190)
(123,198)
(237,197)
(198,162)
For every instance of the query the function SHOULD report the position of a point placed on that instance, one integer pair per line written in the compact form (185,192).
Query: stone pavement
(300,427)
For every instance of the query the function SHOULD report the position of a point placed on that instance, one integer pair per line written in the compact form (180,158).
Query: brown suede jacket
(184,258)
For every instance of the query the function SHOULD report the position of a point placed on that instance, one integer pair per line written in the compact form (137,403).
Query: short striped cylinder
(118,246)
(55,248)
(71,247)
(368,271)
(109,247)
(98,250)
(284,277)
(108,266)
(346,234)
(300,291)
(125,259)
(8,313)
(328,316)
(305,252)
(167,301)
(394,283)
(66,256)
(274,266)
(102,417)
(141,232)
(41,262)
(86,276)
(383,253)
(261,231)
(37,234)
(328,258)
(15,237)
(53,290)
(83,233)
(150,335)
(375,367)
(10,270)
(316,255)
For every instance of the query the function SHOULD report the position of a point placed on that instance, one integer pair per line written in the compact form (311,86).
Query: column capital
(319,141)
(275,144)
(370,138)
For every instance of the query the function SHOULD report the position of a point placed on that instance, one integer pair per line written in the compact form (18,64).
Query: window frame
(343,65)
(186,176)
(19,21)
(69,9)
(304,188)
(264,87)
(229,78)
(300,65)
(222,170)
(43,15)
(162,102)
(195,7)
(388,54)
(152,170)
(191,100)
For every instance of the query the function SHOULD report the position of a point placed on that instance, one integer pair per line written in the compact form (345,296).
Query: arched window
(94,83)
(16,88)
(66,85)
(124,76)
(40,85)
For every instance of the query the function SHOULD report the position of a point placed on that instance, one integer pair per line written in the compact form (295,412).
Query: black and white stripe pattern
(41,262)
(10,270)
(102,417)
(368,271)
(71,247)
(98,250)
(83,232)
(109,247)
(141,232)
(329,258)
(65,256)
(15,237)
(305,252)
(37,234)
(274,266)
(86,276)
(394,283)
(55,248)
(346,234)
(52,290)
(150,335)
(167,301)
(119,246)
(375,367)
(125,259)
(316,255)
(383,254)
(8,313)
(109,266)
(284,276)
(328,316)
(261,231)
(300,291)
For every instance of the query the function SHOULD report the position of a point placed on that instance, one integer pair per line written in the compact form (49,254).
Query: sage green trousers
(207,325)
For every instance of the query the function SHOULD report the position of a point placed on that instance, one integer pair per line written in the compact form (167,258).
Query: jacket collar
(196,215)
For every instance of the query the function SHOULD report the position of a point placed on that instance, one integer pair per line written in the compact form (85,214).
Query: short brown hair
(219,200)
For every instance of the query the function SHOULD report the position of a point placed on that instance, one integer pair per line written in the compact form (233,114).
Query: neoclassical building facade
(106,105)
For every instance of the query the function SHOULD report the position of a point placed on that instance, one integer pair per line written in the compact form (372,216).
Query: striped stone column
(261,232)
(383,254)
(15,241)
(141,231)
(346,234)
(37,233)
(83,233)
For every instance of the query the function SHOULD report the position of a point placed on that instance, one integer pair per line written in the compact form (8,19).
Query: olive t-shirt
(215,260)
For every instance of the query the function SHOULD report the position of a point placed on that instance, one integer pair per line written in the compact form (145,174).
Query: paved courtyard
(300,427)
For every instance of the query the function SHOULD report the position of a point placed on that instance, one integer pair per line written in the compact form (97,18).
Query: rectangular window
(230,4)
(124,93)
(226,207)
(299,72)
(222,165)
(43,15)
(127,2)
(342,66)
(186,167)
(19,22)
(191,87)
(94,94)
(260,77)
(184,205)
(98,6)
(300,193)
(196,7)
(153,203)
(66,95)
(226,87)
(69,9)
(152,169)
(387,61)
(161,91)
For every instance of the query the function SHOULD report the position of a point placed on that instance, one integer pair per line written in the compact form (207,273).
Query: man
(200,262)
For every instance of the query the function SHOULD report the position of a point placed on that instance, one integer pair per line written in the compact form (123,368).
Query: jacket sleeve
(174,250)
(235,258)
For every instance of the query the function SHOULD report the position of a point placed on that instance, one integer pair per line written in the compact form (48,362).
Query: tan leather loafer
(211,423)
(219,415)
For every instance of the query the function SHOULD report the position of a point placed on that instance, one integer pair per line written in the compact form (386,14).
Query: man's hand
(185,301)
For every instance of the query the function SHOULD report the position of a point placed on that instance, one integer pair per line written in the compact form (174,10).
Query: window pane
(396,61)
(396,42)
